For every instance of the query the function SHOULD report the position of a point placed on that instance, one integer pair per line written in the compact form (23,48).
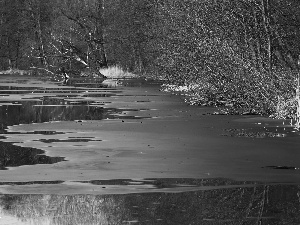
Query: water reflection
(167,183)
(25,102)
(53,209)
(71,139)
(259,204)
(12,156)
(57,110)
(86,82)
(31,101)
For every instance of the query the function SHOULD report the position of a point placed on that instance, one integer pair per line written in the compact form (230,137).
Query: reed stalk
(297,125)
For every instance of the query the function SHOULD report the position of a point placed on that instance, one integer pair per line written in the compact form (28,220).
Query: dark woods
(180,38)
(243,50)
(49,35)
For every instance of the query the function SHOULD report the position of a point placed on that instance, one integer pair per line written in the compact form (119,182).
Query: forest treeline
(75,34)
(242,53)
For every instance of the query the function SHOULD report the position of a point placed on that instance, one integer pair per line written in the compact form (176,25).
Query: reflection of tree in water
(12,155)
(64,209)
(266,204)
(51,109)
(38,112)
(59,110)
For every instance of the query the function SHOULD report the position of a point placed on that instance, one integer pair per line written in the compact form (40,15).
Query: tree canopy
(234,49)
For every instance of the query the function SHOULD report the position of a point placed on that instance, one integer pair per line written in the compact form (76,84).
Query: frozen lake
(132,154)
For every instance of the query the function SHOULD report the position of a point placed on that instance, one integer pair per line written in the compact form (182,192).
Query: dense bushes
(235,53)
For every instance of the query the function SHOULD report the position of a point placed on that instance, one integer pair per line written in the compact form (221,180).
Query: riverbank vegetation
(240,55)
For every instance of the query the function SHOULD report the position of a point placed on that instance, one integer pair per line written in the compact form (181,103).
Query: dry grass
(116,72)
(15,72)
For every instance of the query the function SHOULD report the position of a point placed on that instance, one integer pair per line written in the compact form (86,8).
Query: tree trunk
(266,19)
(100,35)
(298,97)
(259,60)
(39,33)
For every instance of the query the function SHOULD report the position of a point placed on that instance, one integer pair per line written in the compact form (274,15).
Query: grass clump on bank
(116,72)
(15,72)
